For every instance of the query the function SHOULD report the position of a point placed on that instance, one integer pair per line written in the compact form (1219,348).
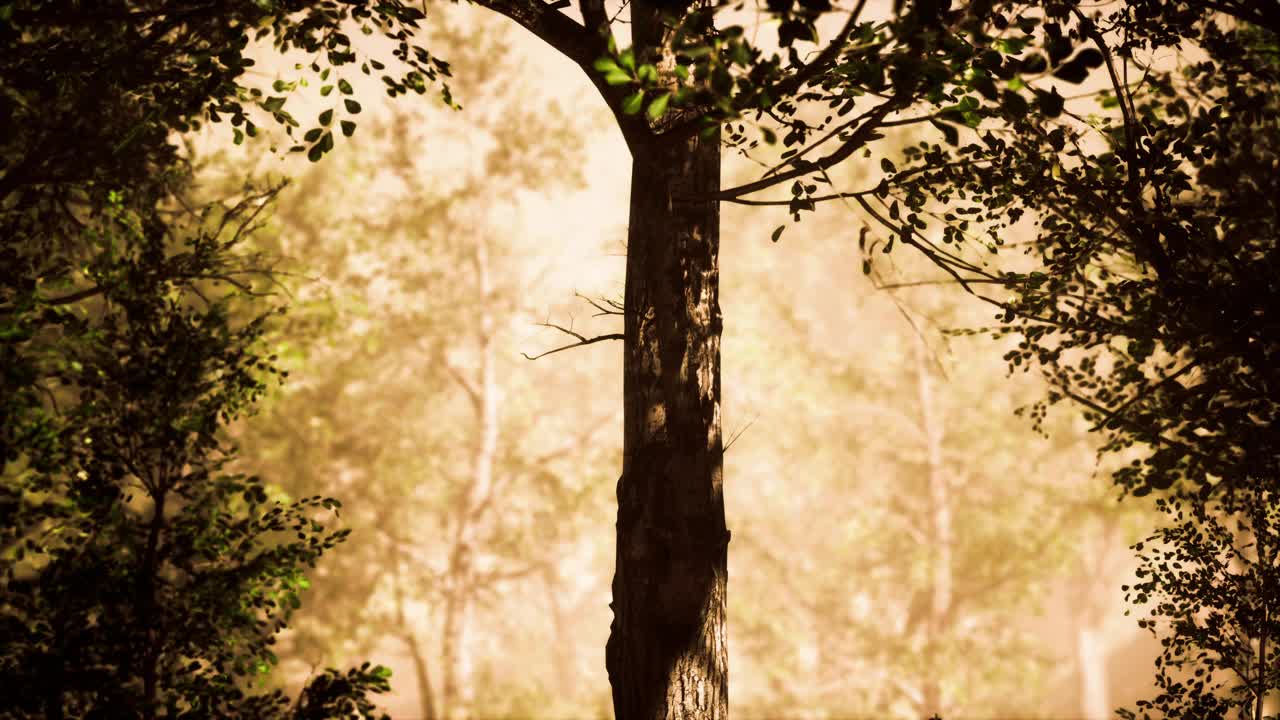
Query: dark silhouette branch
(865,133)
(581,44)
(1142,231)
(788,86)
(582,340)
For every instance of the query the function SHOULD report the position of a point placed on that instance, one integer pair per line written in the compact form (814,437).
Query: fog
(903,536)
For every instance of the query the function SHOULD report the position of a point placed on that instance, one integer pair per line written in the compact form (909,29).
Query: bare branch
(614,307)
(465,383)
(582,340)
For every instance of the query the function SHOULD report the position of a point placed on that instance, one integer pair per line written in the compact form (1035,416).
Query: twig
(582,340)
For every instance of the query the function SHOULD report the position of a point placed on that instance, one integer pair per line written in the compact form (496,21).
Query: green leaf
(606,65)
(632,103)
(344,87)
(325,90)
(273,104)
(348,128)
(617,78)
(628,60)
(326,117)
(353,107)
(658,106)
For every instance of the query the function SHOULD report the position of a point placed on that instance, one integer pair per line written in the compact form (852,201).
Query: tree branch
(582,340)
(865,133)
(1144,233)
(791,84)
(582,45)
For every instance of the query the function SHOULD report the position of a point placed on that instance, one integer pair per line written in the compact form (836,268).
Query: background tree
(1148,298)
(480,469)
(843,545)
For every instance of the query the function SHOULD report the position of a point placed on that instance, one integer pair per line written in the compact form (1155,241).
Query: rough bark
(667,650)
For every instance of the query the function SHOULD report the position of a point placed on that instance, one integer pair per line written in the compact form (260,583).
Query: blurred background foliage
(901,538)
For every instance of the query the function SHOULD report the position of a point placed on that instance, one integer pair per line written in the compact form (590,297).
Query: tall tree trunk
(562,646)
(940,533)
(667,654)
(1092,649)
(409,634)
(1091,655)
(457,692)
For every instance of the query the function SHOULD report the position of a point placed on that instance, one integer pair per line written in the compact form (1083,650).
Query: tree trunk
(940,534)
(453,657)
(1092,648)
(1091,654)
(457,692)
(421,671)
(562,646)
(667,651)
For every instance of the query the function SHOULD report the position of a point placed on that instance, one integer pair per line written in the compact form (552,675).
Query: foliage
(1212,579)
(1150,299)
(142,576)
(92,91)
(841,549)
(416,292)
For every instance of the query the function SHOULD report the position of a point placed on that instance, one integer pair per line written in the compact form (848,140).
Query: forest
(363,359)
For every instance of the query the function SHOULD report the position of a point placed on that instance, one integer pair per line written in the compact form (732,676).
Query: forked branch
(582,340)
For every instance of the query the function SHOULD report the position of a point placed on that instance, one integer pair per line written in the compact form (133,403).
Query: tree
(1150,303)
(141,576)
(898,561)
(667,650)
(412,390)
